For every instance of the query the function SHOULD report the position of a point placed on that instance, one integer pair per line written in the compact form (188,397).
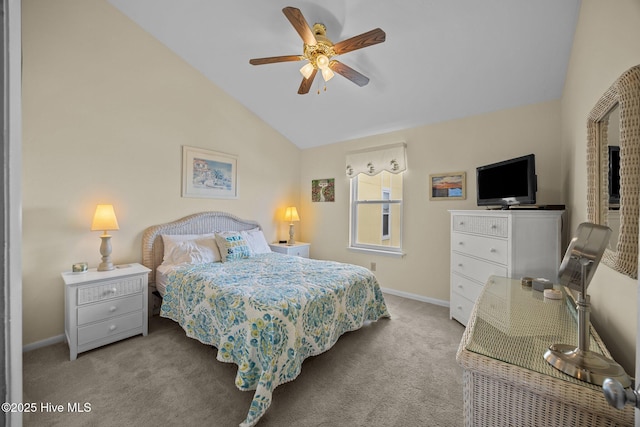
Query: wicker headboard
(200,223)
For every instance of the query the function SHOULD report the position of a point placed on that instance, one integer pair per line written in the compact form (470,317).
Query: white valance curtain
(371,161)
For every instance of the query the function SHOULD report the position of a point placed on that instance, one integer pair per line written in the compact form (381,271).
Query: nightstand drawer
(491,249)
(297,249)
(107,309)
(114,326)
(109,289)
(301,251)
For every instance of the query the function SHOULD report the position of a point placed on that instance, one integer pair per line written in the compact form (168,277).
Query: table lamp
(291,215)
(105,220)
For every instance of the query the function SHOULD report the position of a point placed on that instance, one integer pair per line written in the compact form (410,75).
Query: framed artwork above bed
(209,174)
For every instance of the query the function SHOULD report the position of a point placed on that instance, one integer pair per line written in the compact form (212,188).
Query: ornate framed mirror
(613,169)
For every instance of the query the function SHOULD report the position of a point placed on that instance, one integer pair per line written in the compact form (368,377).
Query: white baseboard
(416,297)
(43,343)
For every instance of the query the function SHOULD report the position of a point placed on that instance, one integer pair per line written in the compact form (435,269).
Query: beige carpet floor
(394,372)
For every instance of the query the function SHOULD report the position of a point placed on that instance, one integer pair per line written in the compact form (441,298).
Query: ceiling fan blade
(358,42)
(349,73)
(300,24)
(306,83)
(274,59)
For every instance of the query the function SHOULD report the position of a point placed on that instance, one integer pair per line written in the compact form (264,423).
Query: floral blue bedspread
(269,312)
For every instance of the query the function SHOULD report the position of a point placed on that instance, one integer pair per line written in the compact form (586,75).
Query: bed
(265,312)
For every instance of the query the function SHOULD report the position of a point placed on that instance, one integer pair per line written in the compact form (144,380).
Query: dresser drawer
(466,287)
(109,289)
(110,308)
(491,249)
(485,225)
(461,308)
(114,326)
(475,269)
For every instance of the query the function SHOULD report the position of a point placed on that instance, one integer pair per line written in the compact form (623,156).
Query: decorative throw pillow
(190,249)
(232,246)
(256,241)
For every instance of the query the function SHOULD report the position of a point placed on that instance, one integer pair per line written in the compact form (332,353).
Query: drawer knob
(112,308)
(459,307)
(461,243)
(112,327)
(492,250)
(461,223)
(460,287)
(460,265)
(114,290)
(493,226)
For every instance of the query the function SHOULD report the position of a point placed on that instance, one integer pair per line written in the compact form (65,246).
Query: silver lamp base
(585,365)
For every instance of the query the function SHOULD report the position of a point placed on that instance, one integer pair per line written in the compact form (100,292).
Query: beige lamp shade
(104,219)
(291,214)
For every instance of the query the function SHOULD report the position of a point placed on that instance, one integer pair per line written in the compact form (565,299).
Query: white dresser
(508,243)
(102,307)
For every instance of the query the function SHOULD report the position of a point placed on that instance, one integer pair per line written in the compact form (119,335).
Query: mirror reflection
(611,171)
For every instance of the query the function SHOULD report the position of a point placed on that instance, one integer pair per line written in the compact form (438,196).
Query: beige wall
(605,45)
(106,111)
(455,146)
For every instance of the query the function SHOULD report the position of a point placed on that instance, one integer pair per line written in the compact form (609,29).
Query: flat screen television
(507,183)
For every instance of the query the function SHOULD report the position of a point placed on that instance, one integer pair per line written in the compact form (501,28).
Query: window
(376,212)
(386,213)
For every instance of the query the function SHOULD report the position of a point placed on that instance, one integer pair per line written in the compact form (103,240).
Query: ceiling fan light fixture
(318,50)
(322,61)
(327,74)
(306,70)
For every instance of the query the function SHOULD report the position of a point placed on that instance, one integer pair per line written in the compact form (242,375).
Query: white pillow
(256,241)
(190,249)
(232,245)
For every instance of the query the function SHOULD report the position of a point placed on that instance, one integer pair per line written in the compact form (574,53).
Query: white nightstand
(102,307)
(298,248)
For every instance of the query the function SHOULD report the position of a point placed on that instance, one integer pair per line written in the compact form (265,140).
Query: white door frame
(12,205)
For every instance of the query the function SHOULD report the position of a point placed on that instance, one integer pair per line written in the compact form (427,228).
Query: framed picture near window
(448,186)
(209,174)
(323,190)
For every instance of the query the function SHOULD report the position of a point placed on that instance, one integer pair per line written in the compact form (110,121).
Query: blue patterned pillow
(232,246)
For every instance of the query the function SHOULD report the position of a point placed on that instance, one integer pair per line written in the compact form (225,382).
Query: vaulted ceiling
(442,59)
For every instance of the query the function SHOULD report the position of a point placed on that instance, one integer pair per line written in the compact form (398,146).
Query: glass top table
(506,379)
(516,324)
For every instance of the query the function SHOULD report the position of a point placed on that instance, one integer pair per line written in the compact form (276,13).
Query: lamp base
(291,240)
(585,365)
(105,251)
(106,266)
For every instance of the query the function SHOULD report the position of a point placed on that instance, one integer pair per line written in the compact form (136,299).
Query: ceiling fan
(319,51)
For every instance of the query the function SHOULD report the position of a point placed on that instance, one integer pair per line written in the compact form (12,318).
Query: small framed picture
(209,174)
(448,186)
(323,190)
